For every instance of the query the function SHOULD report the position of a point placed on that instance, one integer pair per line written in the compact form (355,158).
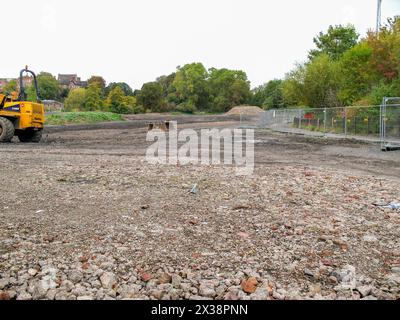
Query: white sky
(138,40)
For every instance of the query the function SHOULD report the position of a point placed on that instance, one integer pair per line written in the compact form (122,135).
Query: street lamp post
(379,16)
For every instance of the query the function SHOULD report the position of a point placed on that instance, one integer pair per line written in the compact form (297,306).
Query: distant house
(27,81)
(71,81)
(4,81)
(52,106)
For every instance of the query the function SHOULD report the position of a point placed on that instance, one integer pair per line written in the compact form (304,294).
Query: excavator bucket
(159,125)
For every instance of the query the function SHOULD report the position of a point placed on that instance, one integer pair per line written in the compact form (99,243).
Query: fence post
(345,121)
(355,125)
(382,126)
(299,119)
(325,119)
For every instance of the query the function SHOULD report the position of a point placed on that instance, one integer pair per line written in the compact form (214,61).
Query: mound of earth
(247,110)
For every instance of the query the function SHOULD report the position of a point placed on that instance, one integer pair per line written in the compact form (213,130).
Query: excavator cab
(19,117)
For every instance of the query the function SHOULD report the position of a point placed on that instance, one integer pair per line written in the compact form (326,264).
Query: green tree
(293,87)
(31,93)
(227,88)
(10,87)
(335,42)
(151,97)
(356,77)
(385,46)
(315,84)
(169,91)
(115,99)
(75,100)
(321,83)
(381,90)
(269,95)
(124,86)
(190,86)
(344,72)
(64,93)
(93,100)
(49,88)
(99,82)
(166,83)
(258,96)
(130,103)
(118,102)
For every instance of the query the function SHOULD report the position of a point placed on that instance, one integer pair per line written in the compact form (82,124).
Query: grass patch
(65,118)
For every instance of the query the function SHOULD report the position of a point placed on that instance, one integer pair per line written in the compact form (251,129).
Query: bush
(380,91)
(75,100)
(186,108)
(121,109)
(138,109)
(82,117)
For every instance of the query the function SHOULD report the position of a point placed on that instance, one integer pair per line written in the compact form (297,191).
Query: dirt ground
(85,217)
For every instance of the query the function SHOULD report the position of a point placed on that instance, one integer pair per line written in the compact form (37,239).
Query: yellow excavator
(19,117)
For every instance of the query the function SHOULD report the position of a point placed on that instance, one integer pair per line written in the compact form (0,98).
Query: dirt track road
(85,217)
(128,138)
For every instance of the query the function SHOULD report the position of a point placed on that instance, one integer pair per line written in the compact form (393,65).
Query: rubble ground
(83,216)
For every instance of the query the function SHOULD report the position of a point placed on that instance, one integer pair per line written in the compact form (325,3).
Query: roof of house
(65,79)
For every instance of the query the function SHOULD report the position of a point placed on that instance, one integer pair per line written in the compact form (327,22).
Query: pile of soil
(246,110)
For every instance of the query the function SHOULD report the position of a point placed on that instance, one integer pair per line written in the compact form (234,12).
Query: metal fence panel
(379,123)
(249,121)
(390,124)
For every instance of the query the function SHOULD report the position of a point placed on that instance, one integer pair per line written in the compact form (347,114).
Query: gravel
(104,226)
(108,280)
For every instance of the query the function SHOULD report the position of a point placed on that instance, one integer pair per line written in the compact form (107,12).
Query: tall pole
(379,16)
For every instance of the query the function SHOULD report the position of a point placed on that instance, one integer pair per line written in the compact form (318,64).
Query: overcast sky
(137,40)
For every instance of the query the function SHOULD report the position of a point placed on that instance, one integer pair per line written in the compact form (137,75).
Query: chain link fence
(249,121)
(374,123)
(390,124)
